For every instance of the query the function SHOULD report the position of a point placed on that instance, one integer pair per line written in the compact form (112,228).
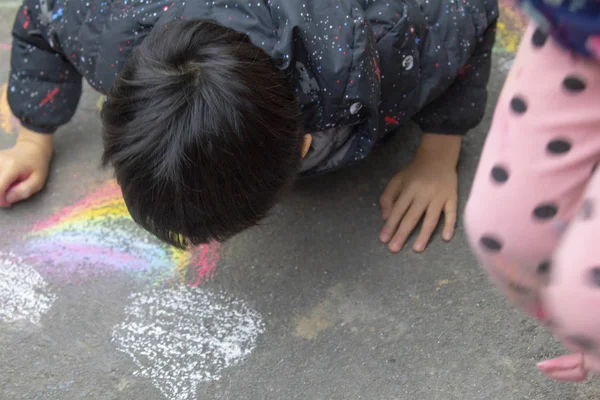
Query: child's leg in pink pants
(536,174)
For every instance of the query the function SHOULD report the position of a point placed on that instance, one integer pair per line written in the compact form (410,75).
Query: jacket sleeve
(463,105)
(44,88)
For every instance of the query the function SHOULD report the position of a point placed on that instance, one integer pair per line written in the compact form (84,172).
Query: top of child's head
(204,132)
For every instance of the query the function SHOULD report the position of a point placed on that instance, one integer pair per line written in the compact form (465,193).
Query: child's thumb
(23,190)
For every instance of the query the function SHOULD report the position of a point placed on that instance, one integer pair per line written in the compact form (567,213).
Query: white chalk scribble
(180,337)
(24,294)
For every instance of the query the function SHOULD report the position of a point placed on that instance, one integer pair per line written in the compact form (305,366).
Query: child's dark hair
(204,132)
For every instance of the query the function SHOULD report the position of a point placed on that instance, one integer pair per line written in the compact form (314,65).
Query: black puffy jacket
(362,67)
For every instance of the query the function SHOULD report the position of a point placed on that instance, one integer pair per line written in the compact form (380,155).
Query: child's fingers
(568,368)
(450,218)
(24,189)
(408,224)
(8,177)
(569,375)
(432,218)
(390,195)
(568,362)
(398,210)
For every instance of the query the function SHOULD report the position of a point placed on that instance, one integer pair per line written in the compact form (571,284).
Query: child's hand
(24,167)
(427,187)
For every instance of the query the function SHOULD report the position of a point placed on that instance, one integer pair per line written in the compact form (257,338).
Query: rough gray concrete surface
(309,305)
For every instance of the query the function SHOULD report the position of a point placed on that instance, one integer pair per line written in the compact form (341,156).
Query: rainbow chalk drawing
(96,236)
(511,27)
(181,337)
(24,295)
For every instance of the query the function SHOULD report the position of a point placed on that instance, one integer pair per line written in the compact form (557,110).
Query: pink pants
(533,216)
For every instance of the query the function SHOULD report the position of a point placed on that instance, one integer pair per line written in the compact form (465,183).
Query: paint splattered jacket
(362,67)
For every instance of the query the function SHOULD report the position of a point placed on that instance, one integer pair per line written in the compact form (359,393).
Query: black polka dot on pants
(491,244)
(499,174)
(518,105)
(574,84)
(545,211)
(559,146)
(539,38)
(544,268)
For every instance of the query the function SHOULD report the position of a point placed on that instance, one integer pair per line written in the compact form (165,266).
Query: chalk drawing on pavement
(24,295)
(181,337)
(97,236)
(511,27)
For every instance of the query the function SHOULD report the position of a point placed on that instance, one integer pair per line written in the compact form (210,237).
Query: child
(533,211)
(215,107)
